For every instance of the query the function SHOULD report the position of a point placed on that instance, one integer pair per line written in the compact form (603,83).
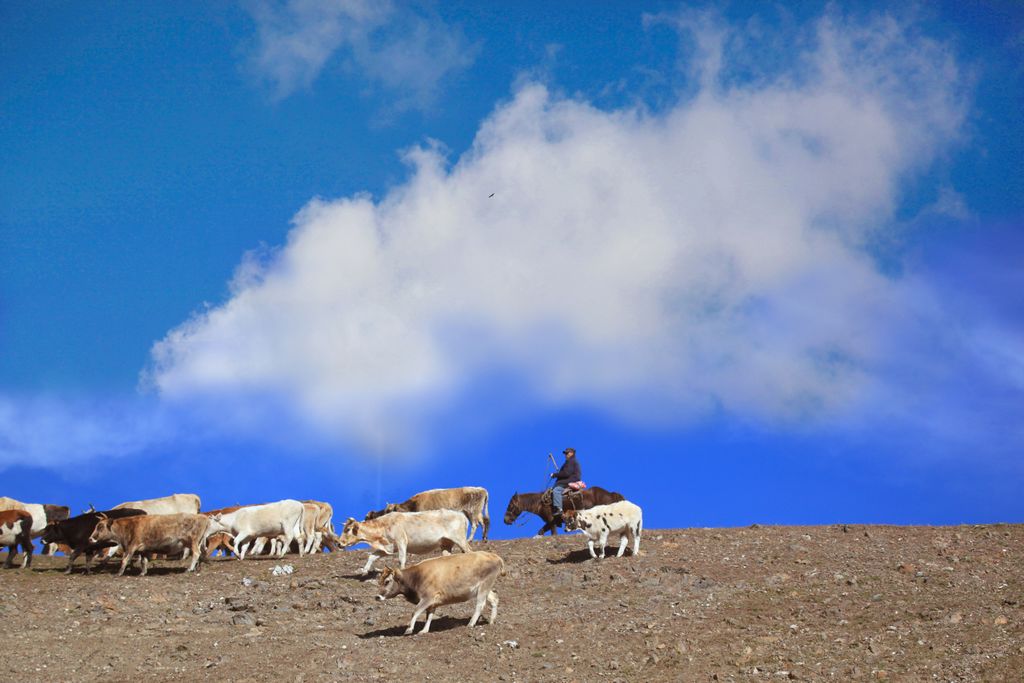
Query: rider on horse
(570,472)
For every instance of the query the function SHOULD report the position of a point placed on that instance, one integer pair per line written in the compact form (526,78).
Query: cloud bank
(392,46)
(713,256)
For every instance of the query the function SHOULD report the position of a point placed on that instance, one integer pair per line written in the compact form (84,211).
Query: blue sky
(757,264)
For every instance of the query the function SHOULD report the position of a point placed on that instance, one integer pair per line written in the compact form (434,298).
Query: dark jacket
(570,472)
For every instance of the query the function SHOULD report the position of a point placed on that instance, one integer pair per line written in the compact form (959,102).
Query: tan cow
(168,505)
(469,500)
(324,526)
(407,532)
(445,581)
(149,534)
(15,530)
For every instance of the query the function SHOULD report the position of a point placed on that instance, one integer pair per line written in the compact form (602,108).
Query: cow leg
(492,598)
(258,545)
(286,545)
(403,552)
(145,563)
(197,555)
(423,605)
(603,540)
(590,547)
(369,563)
(125,561)
(636,538)
(71,560)
(481,600)
(623,539)
(487,527)
(9,562)
(240,545)
(26,545)
(430,618)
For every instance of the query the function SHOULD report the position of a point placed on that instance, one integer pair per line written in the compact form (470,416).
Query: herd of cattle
(439,519)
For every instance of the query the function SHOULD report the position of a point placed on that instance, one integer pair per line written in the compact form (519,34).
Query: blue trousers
(556,497)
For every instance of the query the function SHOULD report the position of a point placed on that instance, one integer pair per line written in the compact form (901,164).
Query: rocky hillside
(762,603)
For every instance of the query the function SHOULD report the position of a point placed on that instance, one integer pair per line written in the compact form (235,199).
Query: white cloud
(408,53)
(654,266)
(42,431)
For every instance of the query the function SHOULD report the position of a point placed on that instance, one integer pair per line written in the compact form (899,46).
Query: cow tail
(487,514)
(503,572)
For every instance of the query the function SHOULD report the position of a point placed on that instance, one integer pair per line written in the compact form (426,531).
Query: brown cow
(444,581)
(16,529)
(469,500)
(42,513)
(149,534)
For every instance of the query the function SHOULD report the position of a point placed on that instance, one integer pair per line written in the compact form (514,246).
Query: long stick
(547,482)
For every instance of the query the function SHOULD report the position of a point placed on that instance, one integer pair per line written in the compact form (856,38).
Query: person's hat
(567,451)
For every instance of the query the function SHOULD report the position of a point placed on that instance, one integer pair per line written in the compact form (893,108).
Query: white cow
(407,532)
(281,520)
(622,519)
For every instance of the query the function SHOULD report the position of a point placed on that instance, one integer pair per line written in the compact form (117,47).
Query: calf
(622,519)
(445,581)
(15,530)
(220,540)
(75,533)
(405,532)
(469,500)
(149,534)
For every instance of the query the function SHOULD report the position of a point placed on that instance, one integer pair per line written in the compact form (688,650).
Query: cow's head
(53,533)
(374,514)
(217,525)
(573,521)
(389,583)
(102,531)
(514,509)
(349,533)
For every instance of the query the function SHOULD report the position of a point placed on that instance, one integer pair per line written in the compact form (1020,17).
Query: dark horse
(540,505)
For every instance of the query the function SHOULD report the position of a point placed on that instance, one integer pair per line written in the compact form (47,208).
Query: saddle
(570,498)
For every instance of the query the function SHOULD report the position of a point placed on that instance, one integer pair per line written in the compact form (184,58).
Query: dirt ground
(760,603)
